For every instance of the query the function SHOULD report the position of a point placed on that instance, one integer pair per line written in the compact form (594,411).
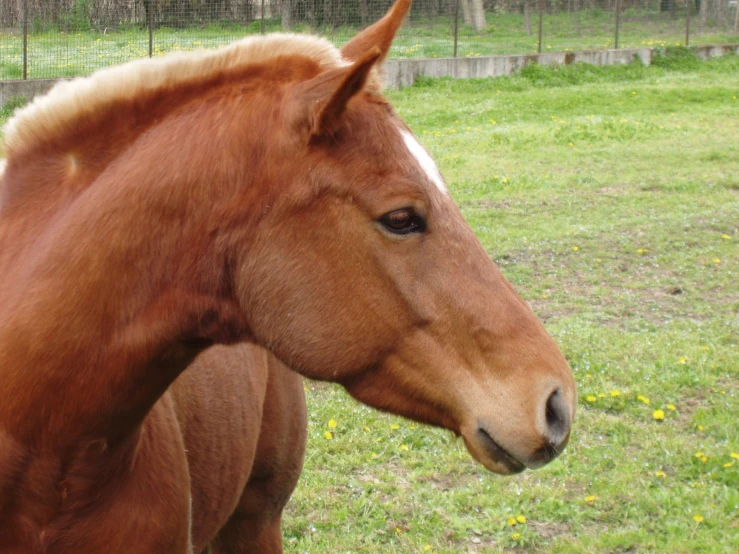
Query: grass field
(609,196)
(55,54)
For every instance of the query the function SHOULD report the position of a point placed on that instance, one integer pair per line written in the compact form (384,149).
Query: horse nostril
(557,419)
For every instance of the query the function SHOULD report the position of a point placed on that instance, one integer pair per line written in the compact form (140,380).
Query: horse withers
(265,192)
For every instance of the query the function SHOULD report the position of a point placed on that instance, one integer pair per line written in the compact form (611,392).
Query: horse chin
(483,448)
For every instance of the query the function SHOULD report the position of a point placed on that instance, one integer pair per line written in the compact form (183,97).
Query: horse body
(264,193)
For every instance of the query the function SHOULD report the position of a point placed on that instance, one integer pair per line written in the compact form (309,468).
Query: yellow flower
(575,248)
(332,423)
(727,237)
(734,455)
(717,260)
(521,518)
(671,407)
(395,426)
(426,547)
(511,521)
(642,251)
(615,393)
(598,260)
(699,454)
(404,447)
(660,474)
(728,464)
(570,144)
(698,518)
(683,360)
(601,395)
(590,398)
(643,398)
(590,498)
(412,426)
(659,415)
(515,536)
(328,435)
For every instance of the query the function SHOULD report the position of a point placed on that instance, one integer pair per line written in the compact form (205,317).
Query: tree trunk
(527,17)
(478,15)
(466,11)
(286,14)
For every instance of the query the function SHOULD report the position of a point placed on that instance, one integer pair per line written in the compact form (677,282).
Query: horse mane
(70,101)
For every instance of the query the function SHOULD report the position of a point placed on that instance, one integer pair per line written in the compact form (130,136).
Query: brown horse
(266,193)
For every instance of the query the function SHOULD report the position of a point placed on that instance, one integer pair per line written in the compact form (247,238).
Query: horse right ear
(379,35)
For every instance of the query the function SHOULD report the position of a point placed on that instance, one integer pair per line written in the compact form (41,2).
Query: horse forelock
(71,101)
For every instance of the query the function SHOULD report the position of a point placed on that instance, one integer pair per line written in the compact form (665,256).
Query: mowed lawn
(610,198)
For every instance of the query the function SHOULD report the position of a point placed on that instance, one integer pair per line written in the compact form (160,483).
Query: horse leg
(254,527)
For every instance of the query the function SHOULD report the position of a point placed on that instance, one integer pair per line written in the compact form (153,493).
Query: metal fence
(58,38)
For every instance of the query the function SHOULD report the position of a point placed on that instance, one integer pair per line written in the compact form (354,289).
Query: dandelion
(642,251)
(575,248)
(671,407)
(395,427)
(493,122)
(426,547)
(590,499)
(728,464)
(683,360)
(511,521)
(590,398)
(404,447)
(570,144)
(601,395)
(659,415)
(598,260)
(521,518)
(717,260)
(332,423)
(375,455)
(642,398)
(412,426)
(516,536)
(698,518)
(699,454)
(734,455)
(615,393)
(328,435)
(726,237)
(660,474)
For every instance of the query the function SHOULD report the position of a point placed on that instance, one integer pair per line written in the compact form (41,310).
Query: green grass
(606,195)
(609,196)
(55,54)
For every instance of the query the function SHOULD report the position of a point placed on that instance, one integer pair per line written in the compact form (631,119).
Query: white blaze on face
(424,160)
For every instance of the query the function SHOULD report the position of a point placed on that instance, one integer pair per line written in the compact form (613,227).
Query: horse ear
(380,34)
(327,95)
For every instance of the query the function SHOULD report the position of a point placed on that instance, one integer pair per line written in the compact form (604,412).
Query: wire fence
(60,38)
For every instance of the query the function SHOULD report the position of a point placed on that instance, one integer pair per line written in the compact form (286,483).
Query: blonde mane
(70,100)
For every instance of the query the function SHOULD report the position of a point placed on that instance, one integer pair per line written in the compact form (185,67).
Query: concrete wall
(26,89)
(402,73)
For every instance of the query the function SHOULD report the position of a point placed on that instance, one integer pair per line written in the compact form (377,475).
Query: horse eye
(403,222)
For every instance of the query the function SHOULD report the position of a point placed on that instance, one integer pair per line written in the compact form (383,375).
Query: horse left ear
(327,95)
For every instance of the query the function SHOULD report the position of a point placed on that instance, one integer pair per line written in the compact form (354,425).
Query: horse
(266,194)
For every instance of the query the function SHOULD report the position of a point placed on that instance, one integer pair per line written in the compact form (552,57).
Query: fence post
(541,16)
(149,24)
(25,40)
(456,25)
(687,23)
(618,20)
(261,30)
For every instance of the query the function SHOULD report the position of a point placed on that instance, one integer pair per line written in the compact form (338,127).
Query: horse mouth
(504,462)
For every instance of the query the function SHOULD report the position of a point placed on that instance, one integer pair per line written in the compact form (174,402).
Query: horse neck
(111,292)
